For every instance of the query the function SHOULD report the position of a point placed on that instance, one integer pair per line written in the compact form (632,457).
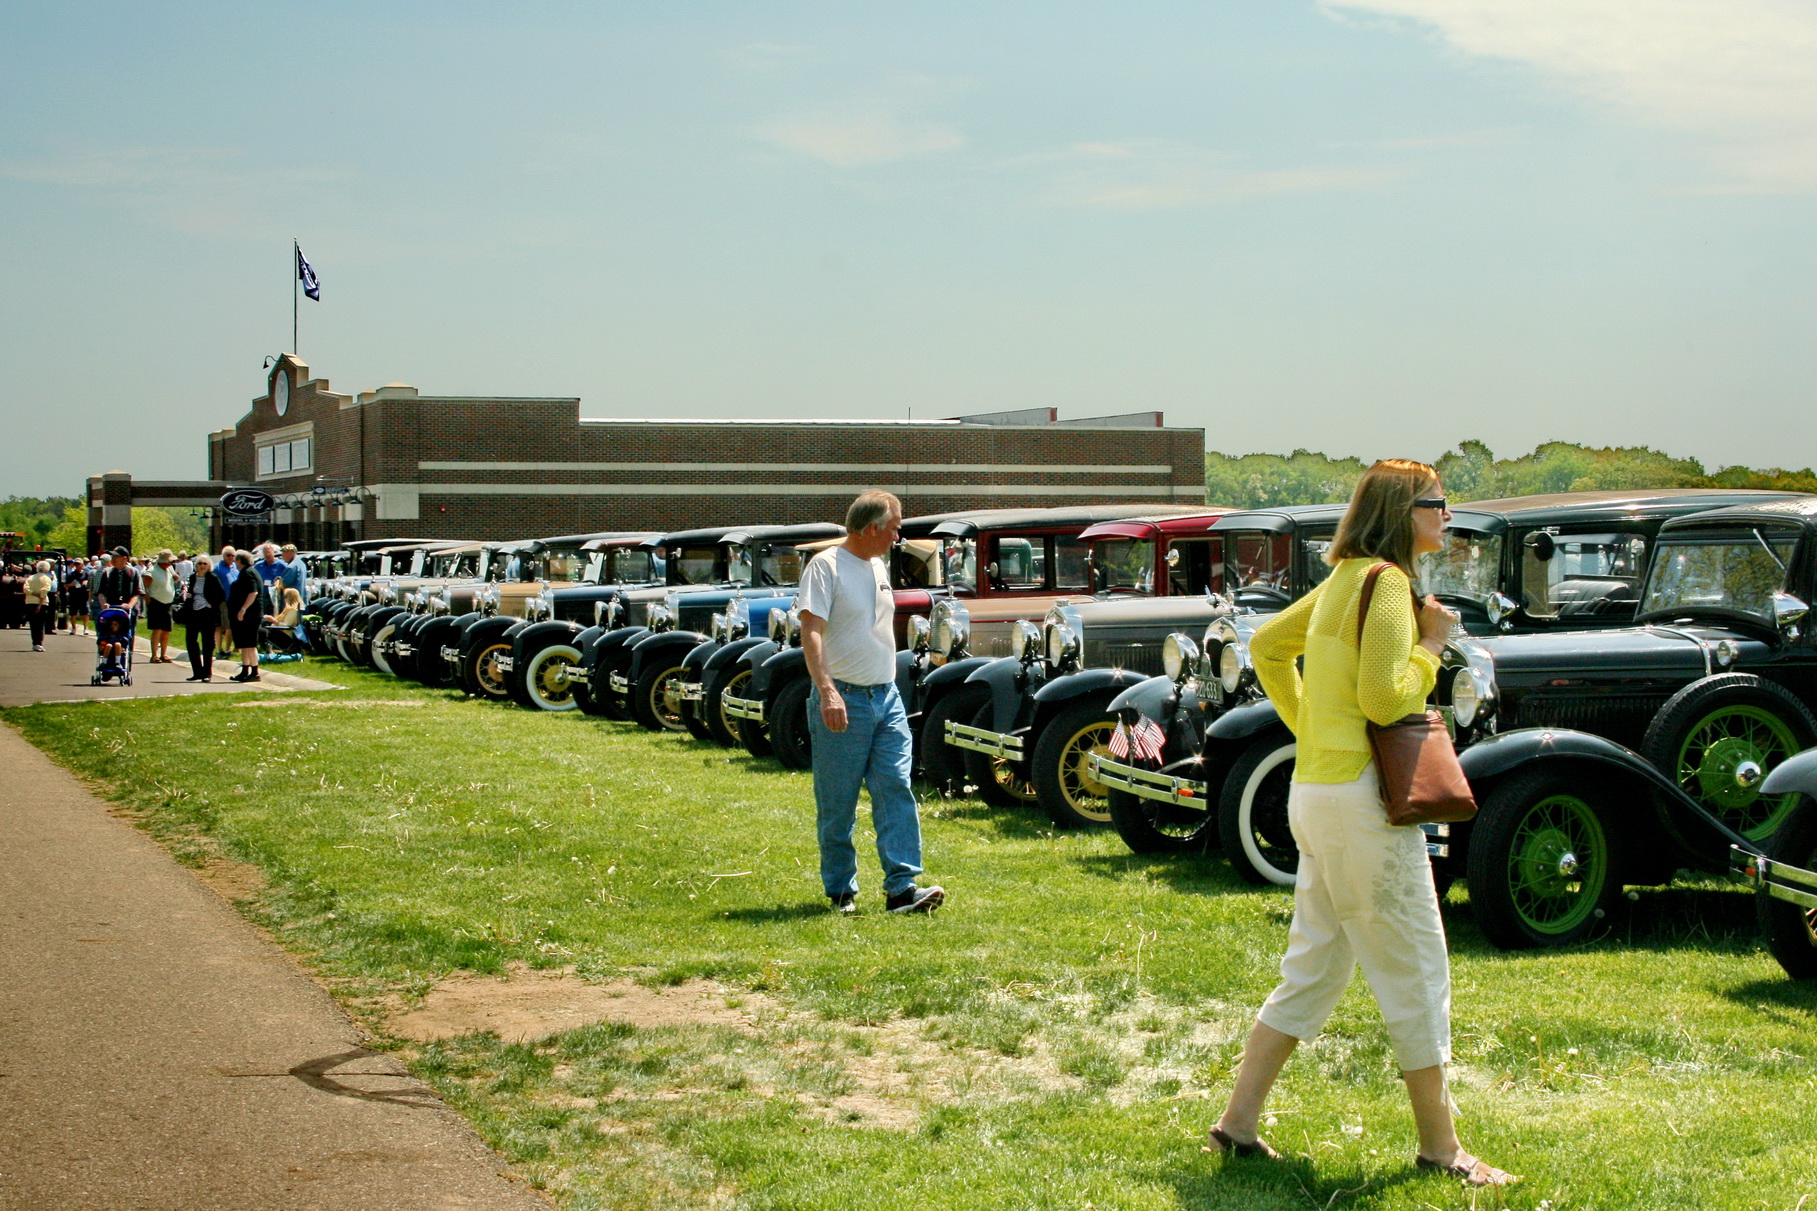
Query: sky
(1366,227)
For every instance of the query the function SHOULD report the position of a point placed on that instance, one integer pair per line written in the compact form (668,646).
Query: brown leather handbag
(1422,782)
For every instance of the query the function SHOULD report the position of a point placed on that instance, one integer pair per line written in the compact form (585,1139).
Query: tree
(71,533)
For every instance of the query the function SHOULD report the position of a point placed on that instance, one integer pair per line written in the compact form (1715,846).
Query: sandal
(1469,1170)
(1219,1140)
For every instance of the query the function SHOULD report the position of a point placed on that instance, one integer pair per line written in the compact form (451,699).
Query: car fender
(1794,774)
(528,639)
(1703,839)
(662,645)
(938,683)
(695,662)
(585,638)
(905,678)
(1242,722)
(785,666)
(1155,697)
(484,631)
(1060,693)
(613,649)
(1010,683)
(732,653)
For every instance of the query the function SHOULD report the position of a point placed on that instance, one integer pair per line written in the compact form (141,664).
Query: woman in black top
(201,615)
(244,617)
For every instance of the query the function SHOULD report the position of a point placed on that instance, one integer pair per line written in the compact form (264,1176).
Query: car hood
(1146,611)
(1578,654)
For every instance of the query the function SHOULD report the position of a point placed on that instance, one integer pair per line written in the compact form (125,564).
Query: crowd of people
(239,601)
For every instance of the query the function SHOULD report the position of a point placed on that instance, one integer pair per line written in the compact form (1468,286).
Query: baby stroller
(113,627)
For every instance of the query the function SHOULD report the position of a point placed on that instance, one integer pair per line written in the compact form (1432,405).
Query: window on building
(285,457)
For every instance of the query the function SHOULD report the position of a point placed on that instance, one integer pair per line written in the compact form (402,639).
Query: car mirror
(1541,545)
(1788,612)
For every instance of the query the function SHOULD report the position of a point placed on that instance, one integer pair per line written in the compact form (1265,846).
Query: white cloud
(1155,174)
(1738,75)
(890,124)
(202,190)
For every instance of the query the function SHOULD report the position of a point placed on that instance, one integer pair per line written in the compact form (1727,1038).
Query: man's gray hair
(870,509)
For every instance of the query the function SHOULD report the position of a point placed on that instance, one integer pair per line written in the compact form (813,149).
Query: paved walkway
(158,1053)
(61,671)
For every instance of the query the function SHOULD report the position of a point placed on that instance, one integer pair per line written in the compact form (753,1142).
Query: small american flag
(1145,740)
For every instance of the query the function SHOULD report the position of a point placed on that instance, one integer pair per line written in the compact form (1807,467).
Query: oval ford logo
(247,502)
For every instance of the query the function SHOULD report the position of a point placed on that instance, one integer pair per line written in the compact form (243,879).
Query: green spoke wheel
(1541,868)
(1719,738)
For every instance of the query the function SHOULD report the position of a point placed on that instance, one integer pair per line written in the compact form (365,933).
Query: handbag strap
(1368,594)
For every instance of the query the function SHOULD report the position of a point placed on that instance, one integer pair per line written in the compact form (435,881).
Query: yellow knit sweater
(1387,679)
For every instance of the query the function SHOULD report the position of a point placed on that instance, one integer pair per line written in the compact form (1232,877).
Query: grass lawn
(1059,1036)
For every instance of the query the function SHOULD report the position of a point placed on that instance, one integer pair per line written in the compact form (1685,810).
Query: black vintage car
(1783,871)
(1562,563)
(1611,758)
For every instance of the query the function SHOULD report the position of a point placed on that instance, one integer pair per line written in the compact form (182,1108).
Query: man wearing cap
(117,588)
(161,589)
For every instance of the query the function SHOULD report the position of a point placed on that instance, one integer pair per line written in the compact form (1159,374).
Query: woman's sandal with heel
(1219,1140)
(1469,1170)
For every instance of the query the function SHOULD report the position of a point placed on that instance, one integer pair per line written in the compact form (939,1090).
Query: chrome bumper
(1146,783)
(503,664)
(742,708)
(983,740)
(690,691)
(1789,883)
(406,650)
(451,655)
(620,683)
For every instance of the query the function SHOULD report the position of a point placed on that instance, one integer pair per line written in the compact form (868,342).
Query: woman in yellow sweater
(1364,891)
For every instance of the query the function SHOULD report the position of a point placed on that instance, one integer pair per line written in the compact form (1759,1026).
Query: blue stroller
(114,627)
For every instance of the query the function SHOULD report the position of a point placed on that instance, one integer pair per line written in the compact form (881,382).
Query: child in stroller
(114,629)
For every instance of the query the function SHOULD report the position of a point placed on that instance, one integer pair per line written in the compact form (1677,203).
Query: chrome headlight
(1062,645)
(661,617)
(615,614)
(1179,656)
(918,633)
(777,627)
(738,620)
(386,594)
(439,604)
(413,602)
(950,629)
(1233,665)
(1028,641)
(1466,697)
(536,609)
(716,629)
(1473,688)
(488,600)
(1499,606)
(794,625)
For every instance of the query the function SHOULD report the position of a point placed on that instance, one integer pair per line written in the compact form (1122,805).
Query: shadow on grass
(1293,1182)
(776,914)
(1786,1000)
(1008,823)
(1661,920)
(1202,875)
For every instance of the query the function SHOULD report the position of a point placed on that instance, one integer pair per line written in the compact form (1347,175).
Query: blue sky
(1376,227)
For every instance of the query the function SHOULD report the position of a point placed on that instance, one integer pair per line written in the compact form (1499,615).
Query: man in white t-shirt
(859,729)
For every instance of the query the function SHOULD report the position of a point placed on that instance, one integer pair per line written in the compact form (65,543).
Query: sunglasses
(1430,502)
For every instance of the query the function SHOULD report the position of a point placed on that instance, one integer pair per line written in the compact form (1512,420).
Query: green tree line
(62,521)
(1472,472)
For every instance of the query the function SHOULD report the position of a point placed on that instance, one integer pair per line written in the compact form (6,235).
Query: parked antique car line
(1611,758)
(1227,760)
(996,567)
(1019,726)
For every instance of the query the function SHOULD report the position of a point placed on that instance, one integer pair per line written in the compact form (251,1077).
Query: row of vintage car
(1629,669)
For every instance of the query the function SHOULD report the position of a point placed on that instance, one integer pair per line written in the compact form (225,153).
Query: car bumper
(620,683)
(503,664)
(691,691)
(1789,883)
(741,708)
(983,740)
(1147,783)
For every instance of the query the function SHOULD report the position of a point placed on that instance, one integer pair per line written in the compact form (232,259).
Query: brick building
(396,463)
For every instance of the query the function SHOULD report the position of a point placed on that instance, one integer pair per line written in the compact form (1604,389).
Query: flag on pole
(311,285)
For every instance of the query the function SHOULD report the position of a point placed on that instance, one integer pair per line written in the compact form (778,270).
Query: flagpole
(296,276)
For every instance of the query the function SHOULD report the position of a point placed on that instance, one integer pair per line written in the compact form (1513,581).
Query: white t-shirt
(853,596)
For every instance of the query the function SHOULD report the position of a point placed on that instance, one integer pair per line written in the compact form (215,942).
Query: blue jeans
(875,750)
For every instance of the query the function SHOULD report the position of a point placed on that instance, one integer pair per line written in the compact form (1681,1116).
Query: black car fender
(1243,722)
(483,631)
(585,638)
(531,638)
(732,653)
(661,645)
(1793,775)
(613,651)
(1010,683)
(785,666)
(1702,840)
(695,662)
(1101,685)
(938,683)
(1155,697)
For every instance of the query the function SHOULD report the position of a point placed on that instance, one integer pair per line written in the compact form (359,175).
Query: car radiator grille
(1137,657)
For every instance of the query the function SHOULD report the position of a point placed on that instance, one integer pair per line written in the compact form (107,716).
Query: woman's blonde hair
(1379,522)
(292,597)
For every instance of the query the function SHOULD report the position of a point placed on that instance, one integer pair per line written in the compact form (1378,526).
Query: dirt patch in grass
(231,880)
(525,1005)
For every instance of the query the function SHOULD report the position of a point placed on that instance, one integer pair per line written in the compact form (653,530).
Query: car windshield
(1469,566)
(631,565)
(1735,569)
(564,564)
(1313,549)
(959,564)
(693,565)
(1258,560)
(741,563)
(1124,565)
(780,566)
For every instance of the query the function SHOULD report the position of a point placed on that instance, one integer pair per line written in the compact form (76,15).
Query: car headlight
(1062,645)
(439,604)
(1028,641)
(1466,697)
(738,620)
(793,622)
(488,602)
(661,618)
(716,629)
(615,614)
(386,594)
(918,633)
(1233,665)
(1179,655)
(950,629)
(1473,689)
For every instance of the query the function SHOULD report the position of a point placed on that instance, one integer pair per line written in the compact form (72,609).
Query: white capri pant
(1364,895)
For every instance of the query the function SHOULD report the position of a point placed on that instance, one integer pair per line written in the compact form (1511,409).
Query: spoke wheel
(1541,869)
(487,676)
(546,683)
(1072,797)
(1719,737)
(1791,929)
(1149,826)
(656,701)
(999,782)
(737,682)
(1252,813)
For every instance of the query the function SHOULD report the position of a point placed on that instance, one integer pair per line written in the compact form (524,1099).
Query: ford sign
(247,502)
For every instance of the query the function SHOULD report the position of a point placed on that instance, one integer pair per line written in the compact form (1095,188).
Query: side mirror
(1541,544)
